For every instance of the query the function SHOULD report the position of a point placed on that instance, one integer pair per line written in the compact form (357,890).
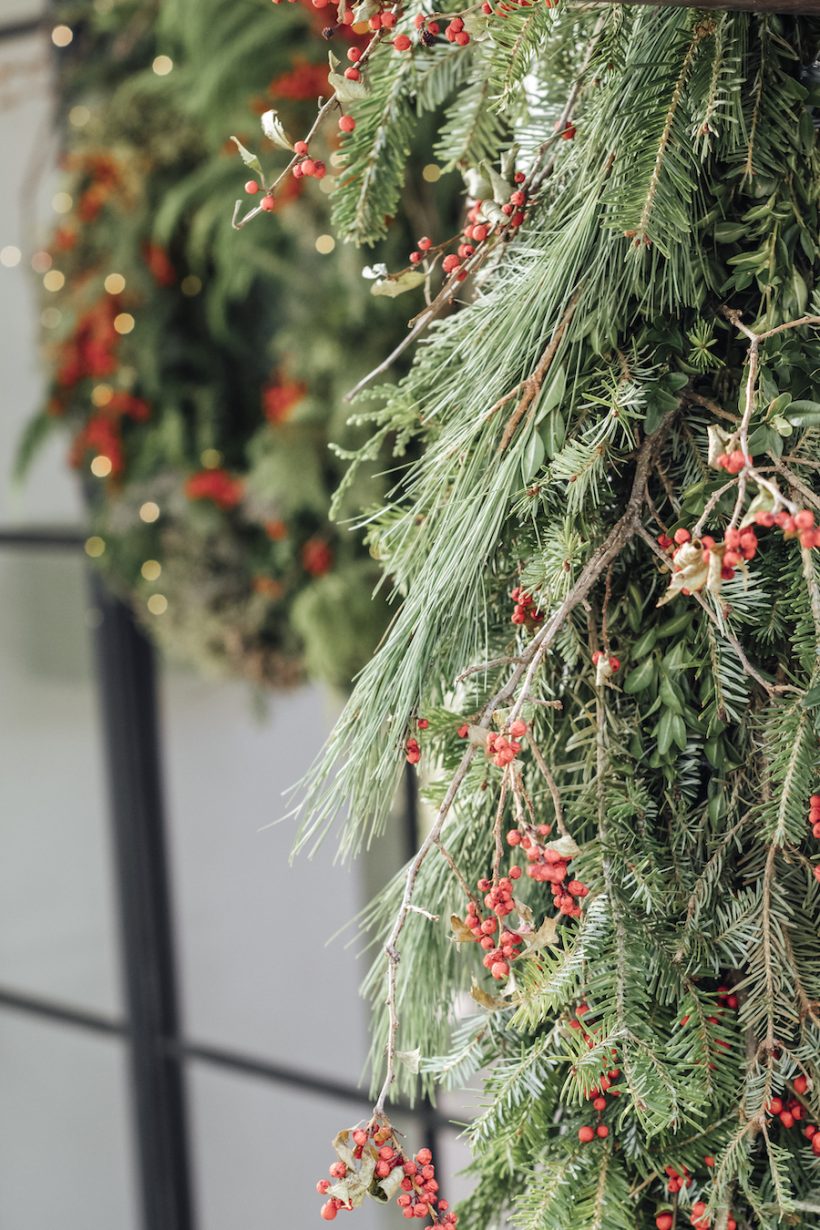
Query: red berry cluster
(412,746)
(733,462)
(102,434)
(677,1180)
(614,663)
(546,865)
(429,28)
(790,1110)
(280,398)
(699,1222)
(814,815)
(498,954)
(317,557)
(217,486)
(501,750)
(476,230)
(382,21)
(665,1219)
(419,1187)
(596,1095)
(307,167)
(525,610)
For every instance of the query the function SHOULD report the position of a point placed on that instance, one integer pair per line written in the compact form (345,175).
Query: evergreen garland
(604,657)
(187,361)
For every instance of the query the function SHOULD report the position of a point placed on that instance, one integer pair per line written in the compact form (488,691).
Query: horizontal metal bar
(12,536)
(21,29)
(232,1061)
(62,1014)
(279,1074)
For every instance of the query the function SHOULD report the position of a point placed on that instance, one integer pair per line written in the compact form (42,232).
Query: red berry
(268,204)
(664,1221)
(347,123)
(329,1211)
(586,1134)
(602,1130)
(300,147)
(681,536)
(251,187)
(402,43)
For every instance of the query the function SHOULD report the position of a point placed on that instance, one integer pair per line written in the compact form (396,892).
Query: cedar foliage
(684,776)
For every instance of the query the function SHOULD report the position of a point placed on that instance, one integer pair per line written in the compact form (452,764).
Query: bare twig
(753,365)
(532,384)
(552,787)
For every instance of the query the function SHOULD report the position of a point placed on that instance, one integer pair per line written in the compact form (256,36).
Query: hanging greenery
(604,657)
(199,372)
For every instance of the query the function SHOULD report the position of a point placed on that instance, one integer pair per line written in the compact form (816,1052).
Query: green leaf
(640,678)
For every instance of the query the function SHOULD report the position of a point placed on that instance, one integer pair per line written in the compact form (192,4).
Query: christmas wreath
(606,664)
(200,372)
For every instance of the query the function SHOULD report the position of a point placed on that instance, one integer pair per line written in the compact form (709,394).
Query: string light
(50,317)
(162,65)
(101,395)
(114,283)
(79,116)
(431,173)
(10,256)
(149,512)
(211,458)
(151,569)
(191,285)
(41,261)
(61,36)
(157,604)
(54,280)
(124,322)
(101,466)
(61,202)
(95,546)
(325,244)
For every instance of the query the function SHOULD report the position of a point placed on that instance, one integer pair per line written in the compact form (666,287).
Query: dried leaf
(356,1184)
(347,90)
(720,442)
(274,131)
(391,287)
(545,936)
(490,1002)
(691,572)
(249,159)
(566,847)
(461,932)
(385,1189)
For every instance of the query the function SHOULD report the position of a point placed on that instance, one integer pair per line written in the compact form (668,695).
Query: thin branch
(552,786)
(532,384)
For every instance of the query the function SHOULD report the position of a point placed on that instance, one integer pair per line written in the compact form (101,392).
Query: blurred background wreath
(200,385)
